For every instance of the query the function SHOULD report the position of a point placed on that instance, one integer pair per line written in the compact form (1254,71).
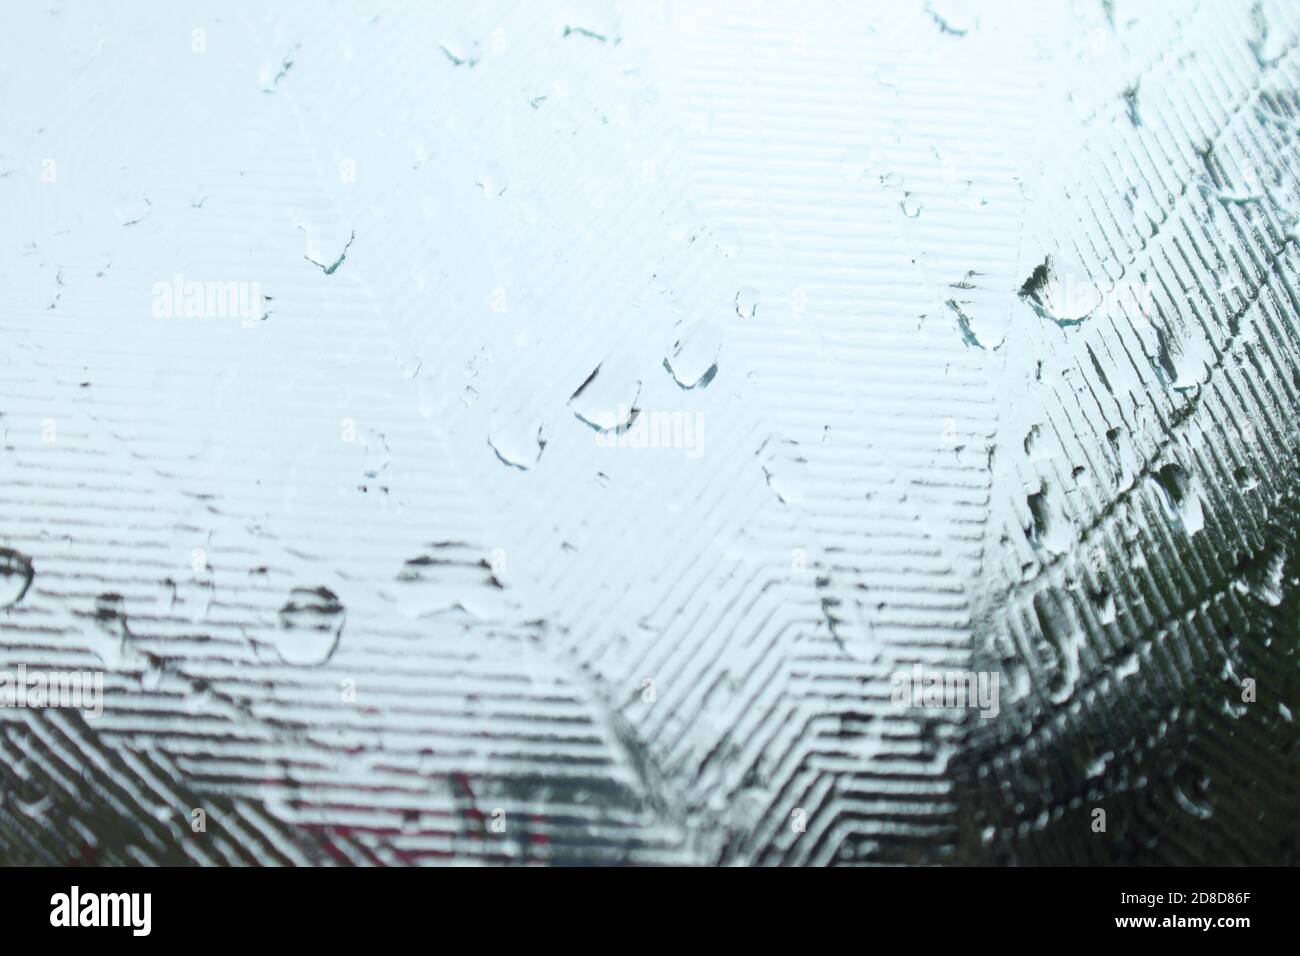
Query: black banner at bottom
(334,906)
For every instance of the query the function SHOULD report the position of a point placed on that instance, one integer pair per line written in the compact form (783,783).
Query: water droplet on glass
(747,302)
(16,574)
(1181,500)
(520,449)
(106,631)
(1104,602)
(311,623)
(693,360)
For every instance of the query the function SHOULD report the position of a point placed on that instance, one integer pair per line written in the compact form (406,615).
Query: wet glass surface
(649,433)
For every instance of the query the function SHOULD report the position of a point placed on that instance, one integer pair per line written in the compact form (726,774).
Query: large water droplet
(16,574)
(747,302)
(311,623)
(1180,497)
(693,362)
(518,441)
(606,400)
(1104,602)
(1049,529)
(106,632)
(1263,577)
(1067,298)
(452,577)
